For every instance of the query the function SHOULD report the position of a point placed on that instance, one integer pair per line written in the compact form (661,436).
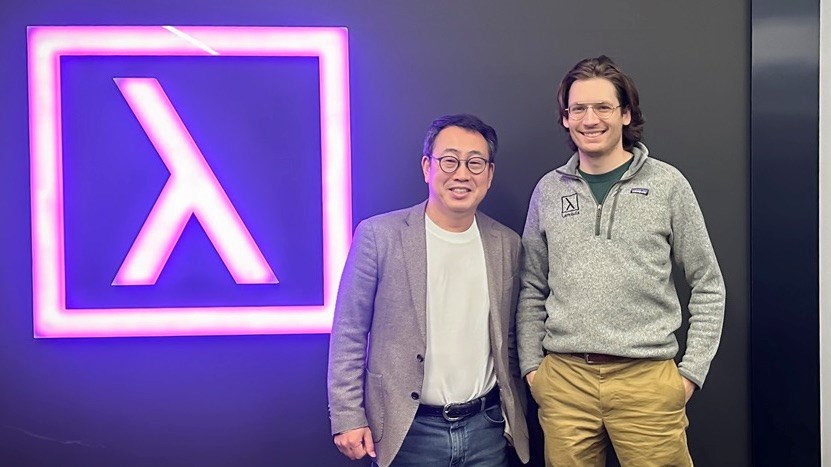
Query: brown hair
(627,93)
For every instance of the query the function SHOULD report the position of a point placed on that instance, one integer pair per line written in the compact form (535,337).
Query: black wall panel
(784,232)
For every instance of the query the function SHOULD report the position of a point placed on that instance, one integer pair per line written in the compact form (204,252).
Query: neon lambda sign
(191,189)
(176,203)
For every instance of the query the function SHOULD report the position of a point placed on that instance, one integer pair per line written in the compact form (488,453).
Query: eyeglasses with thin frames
(603,110)
(449,164)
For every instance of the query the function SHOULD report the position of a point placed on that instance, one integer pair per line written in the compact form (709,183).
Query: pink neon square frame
(47,44)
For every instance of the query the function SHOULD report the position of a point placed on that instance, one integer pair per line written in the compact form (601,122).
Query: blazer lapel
(414,241)
(492,243)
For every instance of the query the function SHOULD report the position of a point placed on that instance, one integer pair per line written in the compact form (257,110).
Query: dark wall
(260,400)
(785,300)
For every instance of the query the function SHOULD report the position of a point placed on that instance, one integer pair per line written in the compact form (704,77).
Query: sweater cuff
(698,382)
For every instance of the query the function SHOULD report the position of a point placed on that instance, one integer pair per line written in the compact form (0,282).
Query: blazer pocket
(374,404)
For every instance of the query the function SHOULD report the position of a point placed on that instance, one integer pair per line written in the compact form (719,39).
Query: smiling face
(455,196)
(594,136)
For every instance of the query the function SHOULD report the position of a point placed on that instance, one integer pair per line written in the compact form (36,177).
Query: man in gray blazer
(423,367)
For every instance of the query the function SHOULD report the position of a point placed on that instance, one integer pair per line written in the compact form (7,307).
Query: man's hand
(356,443)
(689,387)
(530,377)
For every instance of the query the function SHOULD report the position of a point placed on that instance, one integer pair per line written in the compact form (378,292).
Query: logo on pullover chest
(571,206)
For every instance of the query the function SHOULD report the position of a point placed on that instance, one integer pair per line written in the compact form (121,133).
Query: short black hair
(466,121)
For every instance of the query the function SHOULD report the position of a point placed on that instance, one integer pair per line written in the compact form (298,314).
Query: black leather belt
(456,412)
(592,358)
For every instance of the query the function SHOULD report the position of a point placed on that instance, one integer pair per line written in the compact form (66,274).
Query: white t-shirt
(458,365)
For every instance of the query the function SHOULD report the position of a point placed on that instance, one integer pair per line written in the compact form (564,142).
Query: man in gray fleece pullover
(598,308)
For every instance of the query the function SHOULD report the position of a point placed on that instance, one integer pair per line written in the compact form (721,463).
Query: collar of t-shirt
(452,237)
(600,184)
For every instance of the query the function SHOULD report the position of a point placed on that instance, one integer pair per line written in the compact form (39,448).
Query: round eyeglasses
(602,110)
(475,164)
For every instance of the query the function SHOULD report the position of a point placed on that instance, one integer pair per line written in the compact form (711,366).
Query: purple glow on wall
(223,225)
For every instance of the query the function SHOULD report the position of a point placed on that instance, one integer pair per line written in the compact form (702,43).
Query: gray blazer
(377,344)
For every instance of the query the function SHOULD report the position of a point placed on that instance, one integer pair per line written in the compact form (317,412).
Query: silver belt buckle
(444,412)
(446,415)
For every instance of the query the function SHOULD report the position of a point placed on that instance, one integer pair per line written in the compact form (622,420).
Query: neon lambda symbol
(192,189)
(47,44)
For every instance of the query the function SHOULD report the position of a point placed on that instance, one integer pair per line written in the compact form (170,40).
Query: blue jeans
(474,441)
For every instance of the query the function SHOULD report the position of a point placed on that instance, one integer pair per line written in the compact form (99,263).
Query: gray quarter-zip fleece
(597,276)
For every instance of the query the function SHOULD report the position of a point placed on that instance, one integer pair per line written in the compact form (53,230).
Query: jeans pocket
(494,414)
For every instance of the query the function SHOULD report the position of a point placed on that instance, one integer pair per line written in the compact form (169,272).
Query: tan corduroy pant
(638,405)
